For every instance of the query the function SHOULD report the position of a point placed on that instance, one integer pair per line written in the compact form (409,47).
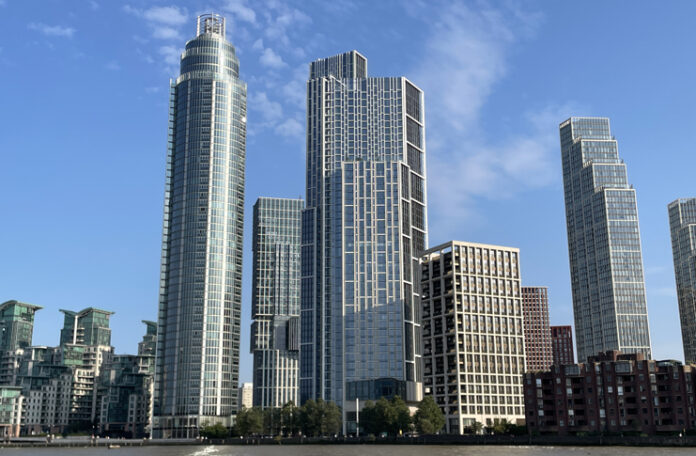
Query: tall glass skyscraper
(606,264)
(275,333)
(197,358)
(363,231)
(682,225)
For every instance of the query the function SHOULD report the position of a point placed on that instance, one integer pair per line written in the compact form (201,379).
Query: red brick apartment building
(612,392)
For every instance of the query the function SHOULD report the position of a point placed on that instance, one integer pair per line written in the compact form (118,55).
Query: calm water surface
(352,450)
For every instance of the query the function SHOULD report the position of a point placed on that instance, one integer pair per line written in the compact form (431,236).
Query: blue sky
(84,123)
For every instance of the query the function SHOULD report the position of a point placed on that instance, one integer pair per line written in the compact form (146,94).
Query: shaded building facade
(562,343)
(473,337)
(275,332)
(604,248)
(363,231)
(682,226)
(538,348)
(197,358)
(612,392)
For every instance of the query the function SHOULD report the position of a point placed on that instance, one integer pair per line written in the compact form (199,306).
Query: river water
(352,450)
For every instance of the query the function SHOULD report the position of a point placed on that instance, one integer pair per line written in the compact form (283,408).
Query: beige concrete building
(246,395)
(473,336)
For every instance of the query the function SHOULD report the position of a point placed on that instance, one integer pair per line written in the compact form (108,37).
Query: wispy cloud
(163,21)
(240,9)
(112,66)
(52,30)
(93,5)
(469,46)
(271,59)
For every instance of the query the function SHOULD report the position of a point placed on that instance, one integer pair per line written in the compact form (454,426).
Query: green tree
(320,418)
(249,421)
(501,426)
(290,417)
(429,418)
(385,416)
(216,431)
(271,421)
(368,418)
(473,428)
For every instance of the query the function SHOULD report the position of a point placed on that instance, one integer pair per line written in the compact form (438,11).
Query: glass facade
(197,358)
(86,327)
(363,231)
(16,324)
(682,225)
(606,264)
(276,300)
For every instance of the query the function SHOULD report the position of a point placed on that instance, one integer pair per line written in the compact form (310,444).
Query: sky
(83,130)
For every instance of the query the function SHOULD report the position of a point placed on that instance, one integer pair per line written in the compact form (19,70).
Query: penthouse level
(611,392)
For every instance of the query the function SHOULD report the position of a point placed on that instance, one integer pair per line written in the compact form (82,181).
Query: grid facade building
(197,358)
(363,230)
(16,325)
(612,392)
(606,264)
(682,225)
(562,342)
(473,336)
(275,334)
(537,332)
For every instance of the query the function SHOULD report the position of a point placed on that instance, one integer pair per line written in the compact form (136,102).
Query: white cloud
(169,15)
(166,33)
(52,30)
(241,10)
(93,5)
(113,66)
(258,45)
(291,128)
(271,59)
(295,90)
(271,111)
(280,19)
(171,55)
(163,21)
(469,47)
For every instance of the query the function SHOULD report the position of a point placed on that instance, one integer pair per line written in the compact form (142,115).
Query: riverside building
(275,332)
(537,332)
(562,342)
(363,230)
(682,225)
(473,337)
(606,263)
(197,358)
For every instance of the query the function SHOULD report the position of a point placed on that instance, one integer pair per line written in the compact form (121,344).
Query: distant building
(473,339)
(275,333)
(11,409)
(16,324)
(86,327)
(606,262)
(612,392)
(246,395)
(682,225)
(537,333)
(562,342)
(127,386)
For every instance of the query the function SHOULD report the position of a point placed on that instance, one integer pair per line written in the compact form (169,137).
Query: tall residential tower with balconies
(606,263)
(197,356)
(363,230)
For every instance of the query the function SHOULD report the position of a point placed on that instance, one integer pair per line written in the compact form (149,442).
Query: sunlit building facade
(363,230)
(682,225)
(606,263)
(197,356)
(537,331)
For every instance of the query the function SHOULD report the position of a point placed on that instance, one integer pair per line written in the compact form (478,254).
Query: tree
(290,417)
(216,431)
(271,421)
(474,428)
(429,418)
(320,418)
(385,416)
(249,421)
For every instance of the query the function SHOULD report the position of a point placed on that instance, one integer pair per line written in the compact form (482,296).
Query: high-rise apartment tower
(363,231)
(197,356)
(538,350)
(275,333)
(682,225)
(606,263)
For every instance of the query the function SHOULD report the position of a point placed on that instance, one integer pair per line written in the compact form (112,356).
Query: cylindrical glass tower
(197,358)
